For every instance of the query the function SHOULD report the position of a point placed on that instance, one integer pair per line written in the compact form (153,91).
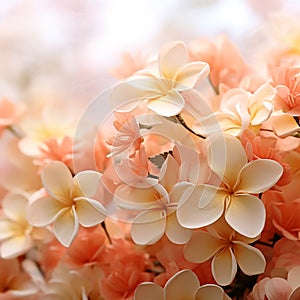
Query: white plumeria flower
(69,202)
(158,203)
(240,110)
(203,204)
(17,236)
(161,89)
(183,285)
(227,248)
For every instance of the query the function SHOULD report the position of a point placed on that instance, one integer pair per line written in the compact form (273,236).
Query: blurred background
(65,49)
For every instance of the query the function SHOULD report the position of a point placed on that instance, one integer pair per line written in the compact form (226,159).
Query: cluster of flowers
(189,189)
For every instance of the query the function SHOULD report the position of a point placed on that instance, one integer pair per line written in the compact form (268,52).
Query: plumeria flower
(69,202)
(162,88)
(203,204)
(227,248)
(182,285)
(17,236)
(240,109)
(157,200)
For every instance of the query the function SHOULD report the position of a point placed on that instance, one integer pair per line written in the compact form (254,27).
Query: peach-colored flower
(157,200)
(14,282)
(240,109)
(286,80)
(69,202)
(162,87)
(203,204)
(127,269)
(17,236)
(227,248)
(183,285)
(278,288)
(226,63)
(9,113)
(55,149)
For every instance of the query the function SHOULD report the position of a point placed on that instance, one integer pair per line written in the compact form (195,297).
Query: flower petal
(148,227)
(8,229)
(210,291)
(66,226)
(149,291)
(182,285)
(277,288)
(201,247)
(258,176)
(90,212)
(57,180)
(250,260)
(15,206)
(246,214)
(190,74)
(169,173)
(44,211)
(200,206)
(224,267)
(172,57)
(175,232)
(15,246)
(85,184)
(226,157)
(169,105)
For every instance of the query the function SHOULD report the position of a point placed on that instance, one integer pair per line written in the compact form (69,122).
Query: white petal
(246,214)
(200,206)
(86,184)
(57,180)
(169,105)
(148,227)
(210,291)
(172,57)
(43,212)
(175,232)
(182,285)
(8,229)
(190,74)
(201,247)
(66,227)
(15,246)
(169,173)
(250,260)
(224,267)
(15,206)
(226,157)
(149,291)
(90,212)
(258,176)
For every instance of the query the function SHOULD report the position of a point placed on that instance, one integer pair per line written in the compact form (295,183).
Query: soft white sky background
(41,40)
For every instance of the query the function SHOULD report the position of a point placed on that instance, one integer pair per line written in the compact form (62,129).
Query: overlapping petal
(181,286)
(15,246)
(200,206)
(167,105)
(246,214)
(224,267)
(57,180)
(175,232)
(15,206)
(148,227)
(211,291)
(149,291)
(43,212)
(85,184)
(258,176)
(66,226)
(250,260)
(90,212)
(226,157)
(202,246)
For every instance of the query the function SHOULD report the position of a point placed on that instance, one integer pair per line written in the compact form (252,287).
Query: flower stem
(182,122)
